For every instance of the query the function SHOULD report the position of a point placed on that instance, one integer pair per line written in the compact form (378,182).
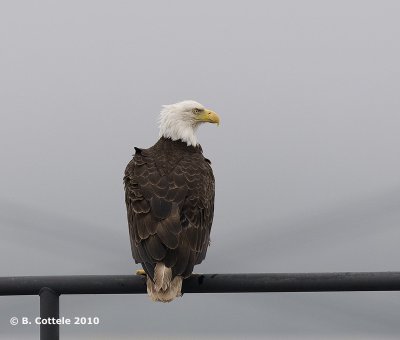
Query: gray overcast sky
(306,160)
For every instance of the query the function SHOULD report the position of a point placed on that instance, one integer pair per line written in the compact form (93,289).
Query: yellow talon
(140,272)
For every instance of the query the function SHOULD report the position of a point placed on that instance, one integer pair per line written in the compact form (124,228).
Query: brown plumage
(169,194)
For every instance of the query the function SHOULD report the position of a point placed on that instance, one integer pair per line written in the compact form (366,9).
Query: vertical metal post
(50,312)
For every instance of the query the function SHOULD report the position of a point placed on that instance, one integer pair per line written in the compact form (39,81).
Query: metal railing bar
(49,309)
(206,283)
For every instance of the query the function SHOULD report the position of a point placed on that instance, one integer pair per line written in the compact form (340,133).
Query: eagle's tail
(163,288)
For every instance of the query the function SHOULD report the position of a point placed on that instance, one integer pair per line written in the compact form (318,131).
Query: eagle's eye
(196,111)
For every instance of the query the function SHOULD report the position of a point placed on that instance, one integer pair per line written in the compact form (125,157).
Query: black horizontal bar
(206,283)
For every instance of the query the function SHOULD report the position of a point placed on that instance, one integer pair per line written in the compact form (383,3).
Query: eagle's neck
(168,146)
(178,126)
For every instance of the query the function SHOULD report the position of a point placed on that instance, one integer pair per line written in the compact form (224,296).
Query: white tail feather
(162,276)
(163,288)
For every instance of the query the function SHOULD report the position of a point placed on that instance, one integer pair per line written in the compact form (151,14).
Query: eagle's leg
(140,272)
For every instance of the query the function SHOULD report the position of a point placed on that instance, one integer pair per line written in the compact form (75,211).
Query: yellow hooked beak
(208,116)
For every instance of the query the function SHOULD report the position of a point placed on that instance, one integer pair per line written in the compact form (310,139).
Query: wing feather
(169,194)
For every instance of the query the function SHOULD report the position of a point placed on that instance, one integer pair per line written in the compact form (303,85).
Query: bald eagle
(169,195)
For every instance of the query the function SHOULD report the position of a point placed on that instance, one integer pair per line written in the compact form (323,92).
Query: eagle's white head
(181,120)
